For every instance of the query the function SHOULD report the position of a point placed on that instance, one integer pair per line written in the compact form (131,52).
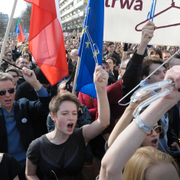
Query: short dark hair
(30,56)
(113,59)
(104,62)
(146,64)
(109,44)
(60,98)
(114,55)
(156,50)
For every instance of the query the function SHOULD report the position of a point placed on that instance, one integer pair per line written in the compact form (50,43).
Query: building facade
(4,18)
(3,23)
(71,12)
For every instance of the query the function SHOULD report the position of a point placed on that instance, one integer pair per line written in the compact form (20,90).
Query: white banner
(124,20)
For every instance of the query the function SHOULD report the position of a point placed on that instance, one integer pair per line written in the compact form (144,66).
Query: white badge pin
(24,120)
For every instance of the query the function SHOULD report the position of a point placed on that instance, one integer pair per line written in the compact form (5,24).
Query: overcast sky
(7,5)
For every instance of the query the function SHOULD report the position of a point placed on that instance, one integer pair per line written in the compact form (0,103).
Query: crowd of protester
(47,132)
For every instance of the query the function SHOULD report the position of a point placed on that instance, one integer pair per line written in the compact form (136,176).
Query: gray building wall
(69,17)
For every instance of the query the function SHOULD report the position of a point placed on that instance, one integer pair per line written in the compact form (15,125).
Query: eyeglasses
(3,92)
(9,55)
(15,76)
(158,129)
(25,56)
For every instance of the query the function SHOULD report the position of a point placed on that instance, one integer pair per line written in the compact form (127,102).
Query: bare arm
(94,129)
(121,151)
(31,170)
(124,120)
(147,34)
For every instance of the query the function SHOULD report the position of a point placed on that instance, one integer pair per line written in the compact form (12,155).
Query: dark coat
(25,90)
(23,109)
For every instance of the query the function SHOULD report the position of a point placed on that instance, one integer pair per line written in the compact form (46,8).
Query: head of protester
(151,64)
(148,163)
(22,62)
(7,91)
(155,52)
(8,56)
(28,56)
(110,47)
(74,56)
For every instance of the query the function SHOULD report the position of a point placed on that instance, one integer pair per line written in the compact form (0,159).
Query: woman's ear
(53,117)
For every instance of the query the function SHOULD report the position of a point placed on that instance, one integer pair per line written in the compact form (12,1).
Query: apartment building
(70,17)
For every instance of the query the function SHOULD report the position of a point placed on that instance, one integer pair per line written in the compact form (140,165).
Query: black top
(64,161)
(9,168)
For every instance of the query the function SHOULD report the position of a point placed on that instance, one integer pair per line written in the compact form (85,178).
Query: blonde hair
(144,158)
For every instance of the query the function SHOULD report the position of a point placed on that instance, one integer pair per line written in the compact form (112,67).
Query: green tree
(25,17)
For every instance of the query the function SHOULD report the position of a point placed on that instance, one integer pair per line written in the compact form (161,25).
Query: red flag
(19,31)
(46,41)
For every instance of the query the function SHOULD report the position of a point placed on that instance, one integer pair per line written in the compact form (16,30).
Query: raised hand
(100,78)
(30,77)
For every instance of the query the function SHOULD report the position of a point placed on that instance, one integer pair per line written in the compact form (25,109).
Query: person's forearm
(131,138)
(141,49)
(103,108)
(36,85)
(121,125)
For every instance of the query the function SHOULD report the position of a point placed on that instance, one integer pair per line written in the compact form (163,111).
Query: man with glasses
(15,116)
(7,57)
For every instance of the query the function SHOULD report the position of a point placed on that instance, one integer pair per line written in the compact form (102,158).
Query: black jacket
(23,109)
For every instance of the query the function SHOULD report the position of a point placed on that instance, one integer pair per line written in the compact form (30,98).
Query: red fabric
(46,41)
(91,104)
(21,35)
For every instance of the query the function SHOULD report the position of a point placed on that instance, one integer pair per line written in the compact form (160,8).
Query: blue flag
(91,46)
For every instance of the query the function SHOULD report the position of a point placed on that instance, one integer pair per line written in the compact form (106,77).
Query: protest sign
(124,20)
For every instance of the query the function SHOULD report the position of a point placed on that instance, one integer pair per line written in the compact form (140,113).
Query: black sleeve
(132,76)
(125,48)
(14,168)
(172,137)
(39,107)
(20,92)
(33,152)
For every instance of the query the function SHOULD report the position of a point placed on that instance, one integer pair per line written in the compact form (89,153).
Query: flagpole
(7,31)
(75,79)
